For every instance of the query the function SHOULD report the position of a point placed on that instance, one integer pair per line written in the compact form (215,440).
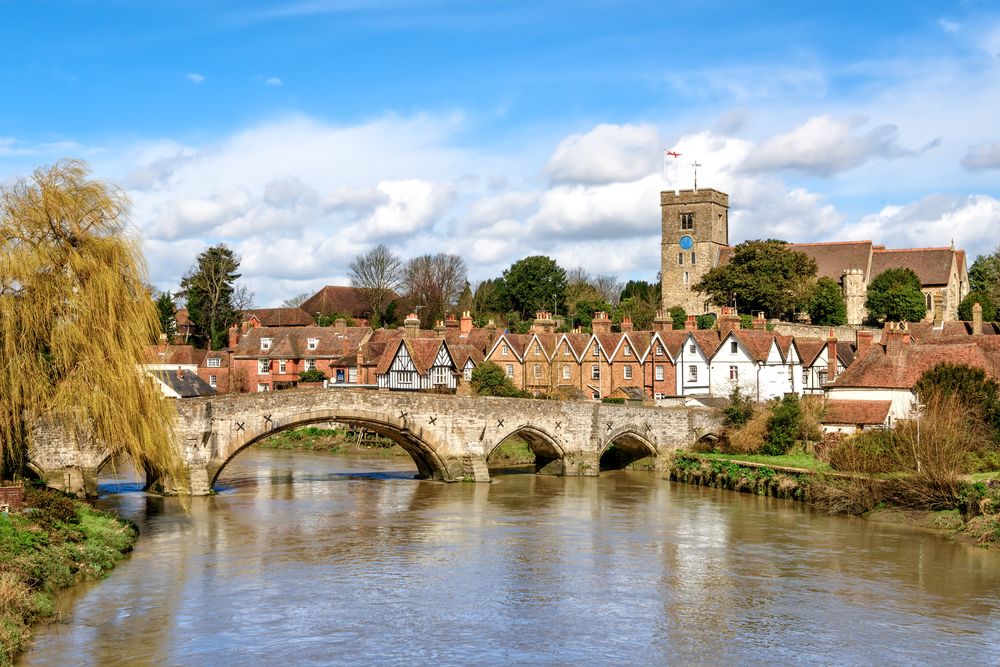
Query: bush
(315,375)
(706,321)
(739,411)
(782,425)
(678,317)
(488,379)
(749,438)
(50,507)
(872,452)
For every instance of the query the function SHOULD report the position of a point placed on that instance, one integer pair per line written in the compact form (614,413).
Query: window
(214,362)
(822,377)
(510,370)
(312,343)
(503,350)
(659,373)
(597,351)
(734,373)
(440,375)
(595,372)
(627,372)
(596,395)
(536,370)
(265,344)
(565,350)
(213,380)
(687,278)
(538,349)
(680,258)
(262,387)
(566,371)
(927,298)
(282,366)
(658,395)
(687,220)
(405,377)
(692,373)
(694,258)
(263,366)
(352,375)
(805,378)
(659,350)
(467,373)
(628,350)
(734,347)
(691,348)
(310,364)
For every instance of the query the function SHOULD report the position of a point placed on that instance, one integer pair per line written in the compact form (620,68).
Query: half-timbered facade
(422,364)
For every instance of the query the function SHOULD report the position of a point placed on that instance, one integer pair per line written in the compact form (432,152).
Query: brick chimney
(180,374)
(465,324)
(728,321)
(895,337)
(234,335)
(831,356)
(938,304)
(440,329)
(601,324)
(340,326)
(759,323)
(411,326)
(543,322)
(450,322)
(977,319)
(662,322)
(691,323)
(863,341)
(626,324)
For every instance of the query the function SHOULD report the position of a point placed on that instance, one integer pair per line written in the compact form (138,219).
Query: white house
(762,364)
(691,359)
(415,364)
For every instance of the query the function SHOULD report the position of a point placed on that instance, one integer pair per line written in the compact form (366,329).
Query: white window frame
(263,387)
(659,350)
(282,366)
(734,347)
(627,372)
(565,350)
(263,367)
(734,373)
(503,350)
(510,370)
(692,373)
(265,344)
(658,373)
(312,343)
(627,351)
(566,373)
(595,372)
(467,374)
(352,375)
(538,349)
(440,376)
(213,380)
(405,377)
(536,370)
(597,351)
(692,348)
(214,362)
(310,365)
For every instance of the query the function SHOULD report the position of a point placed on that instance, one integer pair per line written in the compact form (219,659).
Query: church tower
(695,231)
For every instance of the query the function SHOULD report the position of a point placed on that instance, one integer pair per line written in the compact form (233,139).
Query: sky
(303,133)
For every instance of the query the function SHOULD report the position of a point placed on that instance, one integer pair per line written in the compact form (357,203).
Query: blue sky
(302,133)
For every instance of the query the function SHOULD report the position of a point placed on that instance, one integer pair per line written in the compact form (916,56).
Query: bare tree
(609,287)
(296,301)
(242,298)
(577,276)
(378,274)
(434,283)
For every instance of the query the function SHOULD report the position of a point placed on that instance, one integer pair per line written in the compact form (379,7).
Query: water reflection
(316,559)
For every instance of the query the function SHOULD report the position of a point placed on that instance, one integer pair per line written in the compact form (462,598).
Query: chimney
(543,322)
(411,326)
(450,322)
(691,323)
(759,323)
(340,326)
(831,356)
(662,322)
(893,338)
(937,303)
(977,319)
(863,341)
(180,374)
(440,329)
(601,324)
(626,324)
(234,335)
(465,324)
(728,321)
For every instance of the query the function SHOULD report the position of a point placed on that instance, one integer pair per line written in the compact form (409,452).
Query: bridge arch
(422,447)
(625,445)
(549,454)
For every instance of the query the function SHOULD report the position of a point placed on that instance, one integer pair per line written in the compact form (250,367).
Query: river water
(313,559)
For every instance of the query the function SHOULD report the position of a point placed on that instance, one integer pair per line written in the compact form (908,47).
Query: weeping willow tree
(74,319)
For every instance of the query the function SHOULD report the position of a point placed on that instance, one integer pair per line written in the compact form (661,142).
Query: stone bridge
(449,438)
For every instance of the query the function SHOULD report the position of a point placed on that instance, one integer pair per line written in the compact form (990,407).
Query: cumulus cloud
(606,154)
(825,145)
(983,156)
(194,77)
(273,81)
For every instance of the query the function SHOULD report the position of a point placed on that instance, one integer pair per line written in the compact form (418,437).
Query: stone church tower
(695,231)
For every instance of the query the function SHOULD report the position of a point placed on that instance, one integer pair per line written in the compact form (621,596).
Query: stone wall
(844,333)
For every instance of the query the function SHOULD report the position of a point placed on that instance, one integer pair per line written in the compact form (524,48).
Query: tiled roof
(876,369)
(809,349)
(856,412)
(182,319)
(578,342)
(758,343)
(337,299)
(832,259)
(280,317)
(170,354)
(846,352)
(708,339)
(932,265)
(950,329)
(292,342)
(185,383)
(461,353)
(422,351)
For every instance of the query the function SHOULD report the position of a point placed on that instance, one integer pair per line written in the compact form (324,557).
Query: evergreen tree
(209,287)
(678,317)
(984,300)
(535,283)
(642,313)
(826,306)
(895,296)
(984,275)
(166,309)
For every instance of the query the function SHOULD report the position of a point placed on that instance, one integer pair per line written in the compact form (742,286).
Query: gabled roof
(932,265)
(756,343)
(832,259)
(640,343)
(577,343)
(547,341)
(462,353)
(809,349)
(876,369)
(515,342)
(337,299)
(292,342)
(280,317)
(186,384)
(858,413)
(422,352)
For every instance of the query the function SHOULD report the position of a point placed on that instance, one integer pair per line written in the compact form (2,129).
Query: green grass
(314,439)
(513,451)
(797,460)
(985,476)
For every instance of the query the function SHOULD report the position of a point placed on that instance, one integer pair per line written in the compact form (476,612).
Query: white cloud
(273,81)
(983,156)
(949,26)
(825,145)
(194,77)
(607,154)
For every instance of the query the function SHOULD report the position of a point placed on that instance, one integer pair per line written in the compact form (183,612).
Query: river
(314,559)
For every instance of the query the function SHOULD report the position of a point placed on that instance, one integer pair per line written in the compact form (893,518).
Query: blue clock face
(686,242)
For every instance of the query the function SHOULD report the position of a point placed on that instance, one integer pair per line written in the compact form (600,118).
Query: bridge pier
(72,479)
(580,464)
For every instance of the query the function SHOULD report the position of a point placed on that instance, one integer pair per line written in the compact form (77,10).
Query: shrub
(782,425)
(50,507)
(315,375)
(706,321)
(739,411)
(872,452)
(749,438)
(811,424)
(488,379)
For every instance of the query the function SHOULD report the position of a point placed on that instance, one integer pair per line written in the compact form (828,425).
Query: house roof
(876,369)
(170,354)
(832,259)
(810,348)
(950,329)
(292,342)
(932,265)
(462,353)
(337,299)
(280,317)
(629,393)
(856,412)
(185,383)
(422,351)
(182,318)
(757,343)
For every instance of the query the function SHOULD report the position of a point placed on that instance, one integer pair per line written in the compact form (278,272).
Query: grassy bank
(54,543)
(329,440)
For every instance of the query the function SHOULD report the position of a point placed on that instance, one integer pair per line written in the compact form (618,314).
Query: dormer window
(214,362)
(265,344)
(312,343)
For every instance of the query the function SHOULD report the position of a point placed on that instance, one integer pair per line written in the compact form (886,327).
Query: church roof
(832,259)
(932,265)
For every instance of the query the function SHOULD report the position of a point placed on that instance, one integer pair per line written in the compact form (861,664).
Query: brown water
(312,559)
